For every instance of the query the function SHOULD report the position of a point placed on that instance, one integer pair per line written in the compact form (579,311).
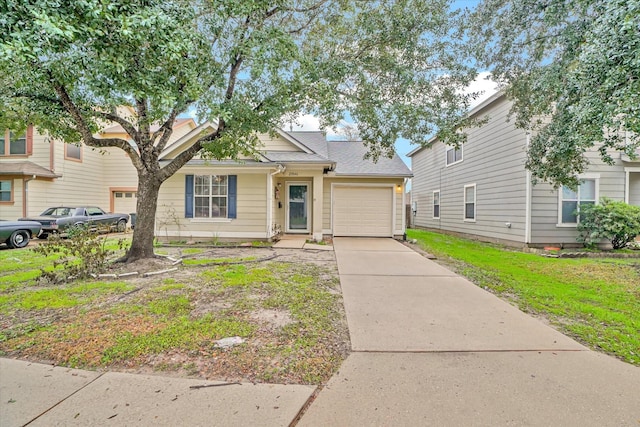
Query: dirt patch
(285,303)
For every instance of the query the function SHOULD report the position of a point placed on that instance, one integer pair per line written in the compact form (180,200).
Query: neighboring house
(300,183)
(37,172)
(483,190)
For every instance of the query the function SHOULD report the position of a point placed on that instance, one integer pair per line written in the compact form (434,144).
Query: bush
(80,255)
(611,220)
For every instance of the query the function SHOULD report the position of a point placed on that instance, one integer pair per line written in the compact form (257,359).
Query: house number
(293,173)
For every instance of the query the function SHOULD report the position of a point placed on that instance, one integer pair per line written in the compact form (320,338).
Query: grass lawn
(596,301)
(288,311)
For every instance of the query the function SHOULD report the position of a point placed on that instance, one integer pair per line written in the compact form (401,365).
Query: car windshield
(58,212)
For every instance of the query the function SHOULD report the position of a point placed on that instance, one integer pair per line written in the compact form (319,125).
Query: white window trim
(210,196)
(475,203)
(447,148)
(593,176)
(433,204)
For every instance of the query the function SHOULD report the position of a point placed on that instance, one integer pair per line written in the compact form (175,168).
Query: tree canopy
(572,68)
(246,66)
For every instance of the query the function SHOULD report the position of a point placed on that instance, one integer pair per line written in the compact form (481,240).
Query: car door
(97,217)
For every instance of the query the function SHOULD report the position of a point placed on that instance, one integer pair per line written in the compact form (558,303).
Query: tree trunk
(147,205)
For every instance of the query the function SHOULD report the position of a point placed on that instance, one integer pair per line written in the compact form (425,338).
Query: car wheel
(18,239)
(121,227)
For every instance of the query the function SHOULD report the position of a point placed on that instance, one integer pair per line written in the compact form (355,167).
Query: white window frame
(585,177)
(475,203)
(446,155)
(433,204)
(210,196)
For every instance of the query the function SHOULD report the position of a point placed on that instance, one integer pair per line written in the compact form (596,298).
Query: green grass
(207,261)
(180,333)
(597,301)
(58,297)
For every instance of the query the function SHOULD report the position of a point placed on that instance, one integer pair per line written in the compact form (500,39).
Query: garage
(363,211)
(124,201)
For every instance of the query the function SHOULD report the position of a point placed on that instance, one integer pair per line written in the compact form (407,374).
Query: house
(37,172)
(482,189)
(300,183)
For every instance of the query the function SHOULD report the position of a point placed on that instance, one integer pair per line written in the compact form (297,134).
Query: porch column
(318,192)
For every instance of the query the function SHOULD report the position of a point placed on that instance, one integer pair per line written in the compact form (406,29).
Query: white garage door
(124,201)
(363,211)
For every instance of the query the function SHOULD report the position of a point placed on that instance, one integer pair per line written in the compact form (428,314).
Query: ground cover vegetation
(287,309)
(596,301)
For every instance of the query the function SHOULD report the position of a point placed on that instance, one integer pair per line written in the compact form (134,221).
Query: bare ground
(285,345)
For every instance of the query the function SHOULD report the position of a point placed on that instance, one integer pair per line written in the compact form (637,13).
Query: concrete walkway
(429,348)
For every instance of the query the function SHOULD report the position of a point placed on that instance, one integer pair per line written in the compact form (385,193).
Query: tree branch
(181,159)
(85,130)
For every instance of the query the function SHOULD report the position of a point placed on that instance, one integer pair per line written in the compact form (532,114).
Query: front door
(297,208)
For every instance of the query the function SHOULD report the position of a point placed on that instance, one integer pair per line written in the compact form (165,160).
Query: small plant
(611,220)
(80,255)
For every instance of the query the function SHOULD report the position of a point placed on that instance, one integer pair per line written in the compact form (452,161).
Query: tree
(247,66)
(572,68)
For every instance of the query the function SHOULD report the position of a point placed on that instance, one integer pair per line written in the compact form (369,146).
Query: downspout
(527,219)
(404,208)
(270,196)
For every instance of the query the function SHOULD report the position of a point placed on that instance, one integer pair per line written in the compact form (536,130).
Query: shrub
(80,255)
(611,220)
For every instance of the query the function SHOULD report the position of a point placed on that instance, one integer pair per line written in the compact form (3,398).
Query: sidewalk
(429,348)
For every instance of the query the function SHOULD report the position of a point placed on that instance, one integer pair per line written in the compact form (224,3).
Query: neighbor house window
(210,196)
(436,204)
(470,202)
(6,195)
(454,155)
(73,152)
(571,201)
(13,144)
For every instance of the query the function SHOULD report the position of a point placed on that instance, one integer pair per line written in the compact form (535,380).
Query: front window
(210,194)
(571,200)
(436,204)
(13,144)
(454,155)
(5,191)
(470,202)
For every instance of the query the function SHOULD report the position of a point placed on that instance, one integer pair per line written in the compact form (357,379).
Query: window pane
(569,194)
(470,195)
(202,185)
(219,207)
(469,211)
(569,212)
(17,143)
(449,156)
(5,191)
(436,211)
(588,190)
(436,198)
(5,185)
(73,151)
(201,208)
(458,154)
(2,142)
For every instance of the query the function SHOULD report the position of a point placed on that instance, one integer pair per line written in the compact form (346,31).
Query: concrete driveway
(431,348)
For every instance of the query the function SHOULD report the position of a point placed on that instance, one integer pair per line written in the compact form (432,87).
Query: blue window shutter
(188,196)
(232,192)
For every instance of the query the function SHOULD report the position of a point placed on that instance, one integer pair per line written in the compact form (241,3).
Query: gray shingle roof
(350,160)
(315,141)
(295,156)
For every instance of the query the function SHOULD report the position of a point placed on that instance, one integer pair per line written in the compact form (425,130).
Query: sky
(481,84)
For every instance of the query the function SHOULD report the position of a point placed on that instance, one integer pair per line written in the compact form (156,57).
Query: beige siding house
(483,189)
(300,183)
(37,172)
